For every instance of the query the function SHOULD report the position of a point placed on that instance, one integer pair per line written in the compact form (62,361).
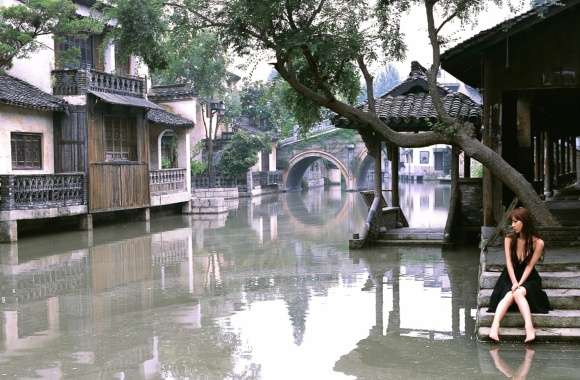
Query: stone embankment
(212,200)
(560,272)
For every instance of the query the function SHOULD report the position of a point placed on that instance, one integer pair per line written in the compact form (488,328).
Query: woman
(519,282)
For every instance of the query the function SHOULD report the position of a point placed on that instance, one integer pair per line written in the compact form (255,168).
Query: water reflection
(268,291)
(425,205)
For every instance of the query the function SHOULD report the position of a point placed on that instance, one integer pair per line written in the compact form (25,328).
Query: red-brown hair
(527,233)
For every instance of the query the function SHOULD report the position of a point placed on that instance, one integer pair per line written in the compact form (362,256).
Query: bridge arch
(298,165)
(365,162)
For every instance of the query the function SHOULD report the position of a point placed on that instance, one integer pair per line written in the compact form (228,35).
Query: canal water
(269,291)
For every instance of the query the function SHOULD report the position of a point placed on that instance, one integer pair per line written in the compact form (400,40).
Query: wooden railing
(79,81)
(24,192)
(167,181)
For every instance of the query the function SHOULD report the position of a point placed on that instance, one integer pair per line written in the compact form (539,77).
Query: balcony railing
(79,81)
(166,181)
(24,192)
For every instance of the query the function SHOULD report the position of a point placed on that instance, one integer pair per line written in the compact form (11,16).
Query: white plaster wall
(109,58)
(36,68)
(13,119)
(272,158)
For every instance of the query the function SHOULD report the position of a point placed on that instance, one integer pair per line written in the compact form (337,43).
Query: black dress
(537,298)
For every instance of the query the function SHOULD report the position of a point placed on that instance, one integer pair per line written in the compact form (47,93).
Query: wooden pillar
(556,154)
(569,151)
(548,157)
(378,170)
(395,175)
(466,166)
(8,231)
(563,168)
(86,222)
(574,163)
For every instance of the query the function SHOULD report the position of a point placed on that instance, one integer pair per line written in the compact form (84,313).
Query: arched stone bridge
(341,149)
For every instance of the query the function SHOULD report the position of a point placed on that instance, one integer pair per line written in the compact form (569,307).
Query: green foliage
(22,24)
(144,30)
(198,167)
(166,163)
(264,104)
(195,58)
(241,153)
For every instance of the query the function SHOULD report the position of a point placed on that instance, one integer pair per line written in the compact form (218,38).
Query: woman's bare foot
(494,333)
(530,334)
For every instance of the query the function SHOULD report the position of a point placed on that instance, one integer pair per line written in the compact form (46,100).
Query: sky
(418,47)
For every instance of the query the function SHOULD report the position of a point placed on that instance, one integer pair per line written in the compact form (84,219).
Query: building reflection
(425,204)
(94,302)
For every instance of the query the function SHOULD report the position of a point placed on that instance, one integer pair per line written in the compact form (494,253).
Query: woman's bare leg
(502,308)
(500,364)
(524,368)
(522,302)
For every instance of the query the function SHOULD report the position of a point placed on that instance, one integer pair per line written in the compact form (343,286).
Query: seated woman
(519,282)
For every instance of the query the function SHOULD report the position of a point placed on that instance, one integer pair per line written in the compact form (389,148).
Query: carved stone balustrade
(79,81)
(167,181)
(25,192)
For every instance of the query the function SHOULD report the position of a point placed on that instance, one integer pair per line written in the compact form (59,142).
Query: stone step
(542,334)
(568,299)
(542,268)
(410,242)
(554,319)
(553,280)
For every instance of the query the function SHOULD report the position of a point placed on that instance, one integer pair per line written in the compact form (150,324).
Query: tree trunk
(508,175)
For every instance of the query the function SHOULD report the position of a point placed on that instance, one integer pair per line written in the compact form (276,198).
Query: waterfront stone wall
(216,192)
(471,206)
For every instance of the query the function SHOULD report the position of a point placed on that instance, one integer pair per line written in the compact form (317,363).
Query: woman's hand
(515,286)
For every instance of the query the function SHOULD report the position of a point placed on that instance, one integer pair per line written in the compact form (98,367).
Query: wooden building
(83,138)
(528,69)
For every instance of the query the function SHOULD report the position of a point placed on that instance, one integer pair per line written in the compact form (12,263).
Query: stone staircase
(560,272)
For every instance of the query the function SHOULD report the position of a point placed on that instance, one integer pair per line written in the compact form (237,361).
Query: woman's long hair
(528,232)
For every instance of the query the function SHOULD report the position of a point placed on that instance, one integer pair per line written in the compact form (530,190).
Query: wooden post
(378,172)
(536,141)
(395,175)
(86,222)
(564,165)
(574,163)
(548,157)
(8,231)
(556,154)
(466,166)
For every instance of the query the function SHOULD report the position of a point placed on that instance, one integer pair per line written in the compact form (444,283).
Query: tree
(322,48)
(385,80)
(21,26)
(265,106)
(241,153)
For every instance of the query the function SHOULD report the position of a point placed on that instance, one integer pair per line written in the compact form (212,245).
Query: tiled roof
(168,119)
(419,107)
(19,93)
(172,92)
(409,104)
(536,14)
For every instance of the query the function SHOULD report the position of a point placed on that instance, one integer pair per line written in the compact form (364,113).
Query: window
(84,47)
(26,150)
(120,139)
(122,63)
(424,157)
(168,150)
